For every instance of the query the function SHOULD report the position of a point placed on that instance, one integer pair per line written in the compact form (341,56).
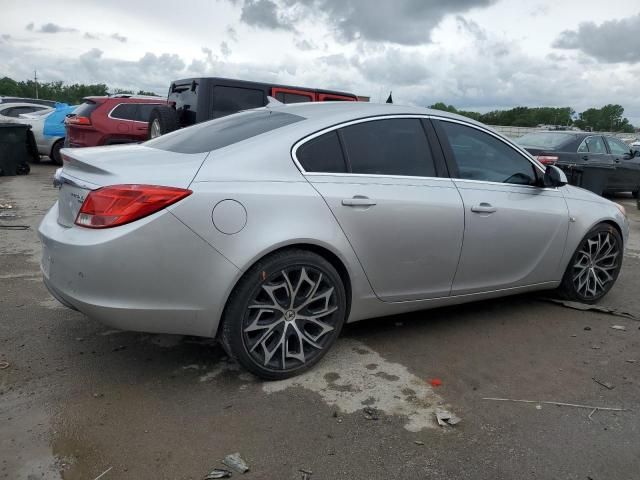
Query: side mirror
(554,177)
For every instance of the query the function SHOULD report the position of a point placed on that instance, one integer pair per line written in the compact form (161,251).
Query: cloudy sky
(474,54)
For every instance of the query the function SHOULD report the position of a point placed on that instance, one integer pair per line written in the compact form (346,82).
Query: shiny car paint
(421,245)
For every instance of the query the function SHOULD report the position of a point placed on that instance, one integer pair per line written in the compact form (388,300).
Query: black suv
(195,100)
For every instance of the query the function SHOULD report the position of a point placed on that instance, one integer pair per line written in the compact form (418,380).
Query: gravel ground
(78,399)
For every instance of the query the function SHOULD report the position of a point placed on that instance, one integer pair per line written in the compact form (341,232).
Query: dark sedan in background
(600,163)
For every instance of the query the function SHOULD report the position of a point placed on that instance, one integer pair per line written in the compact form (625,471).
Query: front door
(404,222)
(515,231)
(626,176)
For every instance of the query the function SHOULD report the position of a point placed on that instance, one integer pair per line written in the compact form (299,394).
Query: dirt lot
(78,399)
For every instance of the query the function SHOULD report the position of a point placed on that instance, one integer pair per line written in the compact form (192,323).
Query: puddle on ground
(353,376)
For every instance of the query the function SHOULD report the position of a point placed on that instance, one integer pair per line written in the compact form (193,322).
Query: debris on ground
(217,473)
(103,473)
(418,442)
(587,328)
(606,385)
(370,413)
(4,365)
(619,327)
(236,462)
(630,360)
(306,474)
(595,308)
(445,418)
(8,215)
(435,382)
(6,206)
(560,404)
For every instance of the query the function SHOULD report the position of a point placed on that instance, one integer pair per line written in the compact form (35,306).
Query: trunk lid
(87,169)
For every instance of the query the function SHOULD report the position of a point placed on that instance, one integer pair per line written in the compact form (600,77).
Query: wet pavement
(78,399)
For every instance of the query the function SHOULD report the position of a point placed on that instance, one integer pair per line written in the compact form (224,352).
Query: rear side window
(286,97)
(388,147)
(144,111)
(124,111)
(228,100)
(322,154)
(215,134)
(85,109)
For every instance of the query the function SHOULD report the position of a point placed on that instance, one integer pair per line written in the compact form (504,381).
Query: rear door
(404,221)
(626,176)
(123,116)
(515,231)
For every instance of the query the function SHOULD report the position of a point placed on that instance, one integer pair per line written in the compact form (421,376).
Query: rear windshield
(85,109)
(545,140)
(222,132)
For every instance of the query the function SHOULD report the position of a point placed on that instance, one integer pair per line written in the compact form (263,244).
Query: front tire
(595,265)
(284,314)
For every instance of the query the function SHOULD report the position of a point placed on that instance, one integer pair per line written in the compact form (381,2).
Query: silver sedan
(271,228)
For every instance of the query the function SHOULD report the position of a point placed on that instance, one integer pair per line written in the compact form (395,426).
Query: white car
(48,145)
(9,112)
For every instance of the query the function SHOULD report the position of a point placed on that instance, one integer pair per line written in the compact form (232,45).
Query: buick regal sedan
(271,228)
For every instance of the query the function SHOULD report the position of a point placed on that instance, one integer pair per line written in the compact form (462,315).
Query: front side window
(483,157)
(124,111)
(618,147)
(388,147)
(228,100)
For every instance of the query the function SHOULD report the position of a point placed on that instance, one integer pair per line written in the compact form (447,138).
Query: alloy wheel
(595,265)
(291,317)
(155,129)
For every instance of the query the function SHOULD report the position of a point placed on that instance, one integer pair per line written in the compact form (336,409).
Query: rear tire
(162,120)
(284,314)
(55,156)
(594,267)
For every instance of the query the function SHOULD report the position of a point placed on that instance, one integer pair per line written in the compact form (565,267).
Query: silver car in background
(271,228)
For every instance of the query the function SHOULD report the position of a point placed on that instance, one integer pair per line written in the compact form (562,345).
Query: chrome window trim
(129,103)
(302,141)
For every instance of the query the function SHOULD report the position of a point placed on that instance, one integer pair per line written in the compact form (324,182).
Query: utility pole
(35,79)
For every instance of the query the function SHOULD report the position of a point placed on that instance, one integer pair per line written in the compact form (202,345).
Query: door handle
(585,157)
(358,201)
(483,208)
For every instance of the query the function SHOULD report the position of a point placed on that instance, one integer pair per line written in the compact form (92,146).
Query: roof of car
(126,98)
(343,111)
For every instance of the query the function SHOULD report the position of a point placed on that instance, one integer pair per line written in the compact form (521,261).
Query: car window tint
(595,144)
(6,112)
(85,109)
(618,147)
(388,147)
(228,100)
(322,154)
(124,111)
(483,157)
(144,111)
(222,132)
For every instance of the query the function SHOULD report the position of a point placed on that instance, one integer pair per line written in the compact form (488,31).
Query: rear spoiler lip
(73,157)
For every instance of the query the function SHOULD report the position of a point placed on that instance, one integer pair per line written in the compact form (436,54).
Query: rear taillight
(547,159)
(119,204)
(75,120)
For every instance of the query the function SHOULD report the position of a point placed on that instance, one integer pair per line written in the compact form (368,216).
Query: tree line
(58,91)
(606,119)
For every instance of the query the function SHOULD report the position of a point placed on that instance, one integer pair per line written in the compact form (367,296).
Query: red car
(110,120)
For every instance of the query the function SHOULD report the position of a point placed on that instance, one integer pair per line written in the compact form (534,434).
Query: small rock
(446,418)
(574,335)
(370,413)
(587,328)
(418,442)
(619,327)
(217,473)
(630,361)
(236,462)
(98,395)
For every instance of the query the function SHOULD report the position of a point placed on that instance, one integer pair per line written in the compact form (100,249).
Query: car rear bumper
(153,275)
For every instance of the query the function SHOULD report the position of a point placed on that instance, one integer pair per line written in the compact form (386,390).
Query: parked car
(600,163)
(110,120)
(307,216)
(10,111)
(32,101)
(48,130)
(196,100)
